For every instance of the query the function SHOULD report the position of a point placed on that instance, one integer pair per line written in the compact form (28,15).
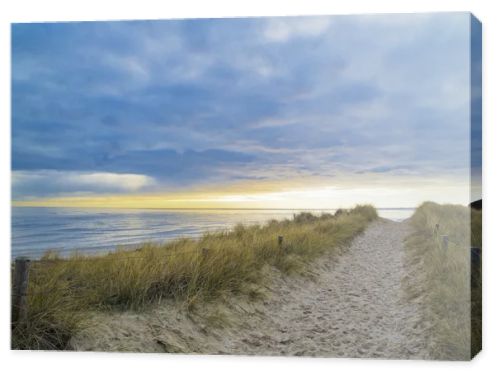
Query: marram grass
(62,292)
(444,278)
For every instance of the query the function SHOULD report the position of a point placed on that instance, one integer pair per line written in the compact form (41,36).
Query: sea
(36,230)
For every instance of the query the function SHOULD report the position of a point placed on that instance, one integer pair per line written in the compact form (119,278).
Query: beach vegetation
(440,250)
(63,291)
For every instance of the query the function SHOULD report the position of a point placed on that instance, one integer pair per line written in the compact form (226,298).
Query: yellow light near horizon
(291,194)
(307,198)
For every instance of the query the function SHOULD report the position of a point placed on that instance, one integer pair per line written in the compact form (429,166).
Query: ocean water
(36,230)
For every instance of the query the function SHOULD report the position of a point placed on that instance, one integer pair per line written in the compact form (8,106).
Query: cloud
(215,101)
(283,28)
(47,182)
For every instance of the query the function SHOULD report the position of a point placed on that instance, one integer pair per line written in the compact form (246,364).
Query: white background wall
(50,363)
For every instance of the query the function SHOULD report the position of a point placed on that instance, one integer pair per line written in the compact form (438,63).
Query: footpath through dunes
(354,305)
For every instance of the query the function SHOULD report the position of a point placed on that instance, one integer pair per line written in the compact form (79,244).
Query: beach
(350,304)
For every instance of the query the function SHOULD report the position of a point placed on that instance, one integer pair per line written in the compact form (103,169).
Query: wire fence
(475,252)
(39,265)
(111,257)
(23,266)
(447,239)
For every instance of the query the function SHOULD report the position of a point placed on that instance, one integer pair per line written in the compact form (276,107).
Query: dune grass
(62,292)
(476,285)
(445,278)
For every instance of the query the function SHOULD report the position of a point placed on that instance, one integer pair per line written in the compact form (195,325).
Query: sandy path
(354,307)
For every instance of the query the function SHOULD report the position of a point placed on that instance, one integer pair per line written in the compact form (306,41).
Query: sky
(294,112)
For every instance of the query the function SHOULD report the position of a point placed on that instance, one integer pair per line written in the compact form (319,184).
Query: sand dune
(351,305)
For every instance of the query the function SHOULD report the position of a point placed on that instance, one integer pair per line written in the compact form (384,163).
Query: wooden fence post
(20,288)
(204,252)
(280,240)
(445,240)
(436,229)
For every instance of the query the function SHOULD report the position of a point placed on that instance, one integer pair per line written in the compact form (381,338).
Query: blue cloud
(189,100)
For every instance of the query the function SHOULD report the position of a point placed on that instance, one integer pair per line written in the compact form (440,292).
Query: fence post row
(20,288)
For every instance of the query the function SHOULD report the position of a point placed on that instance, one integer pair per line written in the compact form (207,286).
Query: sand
(353,304)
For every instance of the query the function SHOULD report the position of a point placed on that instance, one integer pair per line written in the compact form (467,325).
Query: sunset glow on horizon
(269,196)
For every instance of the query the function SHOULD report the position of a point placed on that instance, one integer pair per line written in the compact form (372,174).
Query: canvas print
(286,186)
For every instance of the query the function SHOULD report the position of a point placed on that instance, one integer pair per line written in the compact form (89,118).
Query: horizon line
(148,208)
